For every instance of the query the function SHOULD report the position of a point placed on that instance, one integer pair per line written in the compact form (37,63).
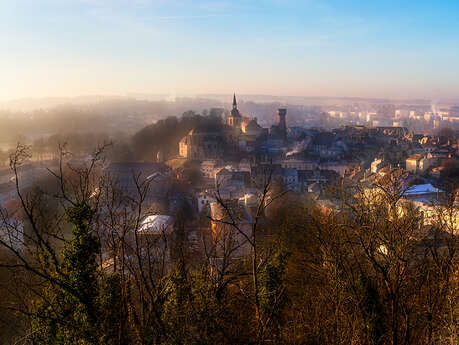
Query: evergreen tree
(79,305)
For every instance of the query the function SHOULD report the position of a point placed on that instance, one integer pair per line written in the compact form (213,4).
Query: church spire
(234,102)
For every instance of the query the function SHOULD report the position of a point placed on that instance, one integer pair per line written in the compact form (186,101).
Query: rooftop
(156,224)
(422,189)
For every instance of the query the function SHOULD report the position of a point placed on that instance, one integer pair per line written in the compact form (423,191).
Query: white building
(204,200)
(376,165)
(412,163)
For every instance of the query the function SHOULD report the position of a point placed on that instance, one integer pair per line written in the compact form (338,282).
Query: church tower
(235,118)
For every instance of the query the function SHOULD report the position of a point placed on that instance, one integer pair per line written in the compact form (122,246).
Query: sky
(342,48)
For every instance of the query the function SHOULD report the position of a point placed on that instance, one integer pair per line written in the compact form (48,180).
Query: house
(128,176)
(232,183)
(158,238)
(205,198)
(202,143)
(412,163)
(323,177)
(340,167)
(433,214)
(425,163)
(155,225)
(290,179)
(376,165)
(155,236)
(251,129)
(323,145)
(424,193)
(208,168)
(264,173)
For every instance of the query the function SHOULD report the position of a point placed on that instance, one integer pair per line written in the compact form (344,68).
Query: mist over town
(229,172)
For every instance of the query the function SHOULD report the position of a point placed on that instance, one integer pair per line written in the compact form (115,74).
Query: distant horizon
(170,96)
(29,102)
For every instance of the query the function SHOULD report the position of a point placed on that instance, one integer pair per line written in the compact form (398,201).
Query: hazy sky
(385,48)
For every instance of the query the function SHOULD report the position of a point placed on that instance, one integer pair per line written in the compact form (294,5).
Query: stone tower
(282,122)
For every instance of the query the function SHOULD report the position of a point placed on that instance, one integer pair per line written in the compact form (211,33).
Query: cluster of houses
(426,116)
(236,160)
(235,163)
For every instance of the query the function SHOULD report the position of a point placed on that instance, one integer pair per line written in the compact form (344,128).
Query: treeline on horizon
(86,117)
(115,119)
(164,135)
(370,272)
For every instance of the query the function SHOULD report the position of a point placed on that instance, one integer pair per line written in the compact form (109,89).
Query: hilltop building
(201,143)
